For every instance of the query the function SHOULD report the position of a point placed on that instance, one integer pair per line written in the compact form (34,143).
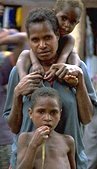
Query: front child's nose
(48,117)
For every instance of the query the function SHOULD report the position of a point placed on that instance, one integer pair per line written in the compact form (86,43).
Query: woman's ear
(30,113)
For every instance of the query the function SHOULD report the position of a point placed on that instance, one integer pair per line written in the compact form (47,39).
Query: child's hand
(40,135)
(51,73)
(71,79)
(66,72)
(56,70)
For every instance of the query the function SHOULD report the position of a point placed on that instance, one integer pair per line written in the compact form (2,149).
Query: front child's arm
(28,145)
(23,63)
(26,153)
(71,153)
(66,45)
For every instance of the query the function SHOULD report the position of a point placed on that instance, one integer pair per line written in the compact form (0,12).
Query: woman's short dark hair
(41,15)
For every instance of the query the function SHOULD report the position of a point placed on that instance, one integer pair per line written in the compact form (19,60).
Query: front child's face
(46,112)
(68,18)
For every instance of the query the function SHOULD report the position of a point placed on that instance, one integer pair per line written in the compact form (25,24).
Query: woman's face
(43,41)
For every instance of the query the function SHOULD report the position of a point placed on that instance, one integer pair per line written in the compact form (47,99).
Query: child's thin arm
(73,58)
(26,153)
(23,63)
(35,62)
(71,153)
(66,45)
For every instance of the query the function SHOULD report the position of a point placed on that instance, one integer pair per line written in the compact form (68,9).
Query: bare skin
(68,18)
(57,158)
(73,75)
(28,84)
(45,116)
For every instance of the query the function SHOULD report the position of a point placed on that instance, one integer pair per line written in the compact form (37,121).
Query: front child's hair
(39,15)
(45,92)
(60,4)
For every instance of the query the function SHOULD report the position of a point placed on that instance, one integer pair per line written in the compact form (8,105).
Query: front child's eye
(41,112)
(54,112)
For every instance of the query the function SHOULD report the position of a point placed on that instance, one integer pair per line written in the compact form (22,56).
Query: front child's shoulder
(24,138)
(69,140)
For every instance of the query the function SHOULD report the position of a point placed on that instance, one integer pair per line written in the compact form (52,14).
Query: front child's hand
(40,135)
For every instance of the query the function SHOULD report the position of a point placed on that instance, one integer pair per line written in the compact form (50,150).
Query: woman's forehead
(41,27)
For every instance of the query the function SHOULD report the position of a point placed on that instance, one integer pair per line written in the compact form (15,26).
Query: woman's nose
(42,44)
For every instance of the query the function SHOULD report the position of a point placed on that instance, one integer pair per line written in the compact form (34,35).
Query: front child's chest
(48,156)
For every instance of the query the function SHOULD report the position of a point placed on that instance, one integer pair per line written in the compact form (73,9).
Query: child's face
(68,18)
(46,112)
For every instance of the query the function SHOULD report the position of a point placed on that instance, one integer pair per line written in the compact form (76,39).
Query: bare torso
(56,150)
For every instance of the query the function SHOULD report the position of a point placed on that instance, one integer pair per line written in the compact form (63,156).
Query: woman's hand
(70,73)
(29,83)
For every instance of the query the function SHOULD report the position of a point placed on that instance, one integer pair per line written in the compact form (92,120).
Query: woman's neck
(47,64)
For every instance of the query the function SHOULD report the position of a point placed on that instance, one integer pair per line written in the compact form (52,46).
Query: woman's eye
(48,37)
(35,40)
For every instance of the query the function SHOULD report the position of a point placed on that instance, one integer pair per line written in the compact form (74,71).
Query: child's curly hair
(60,4)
